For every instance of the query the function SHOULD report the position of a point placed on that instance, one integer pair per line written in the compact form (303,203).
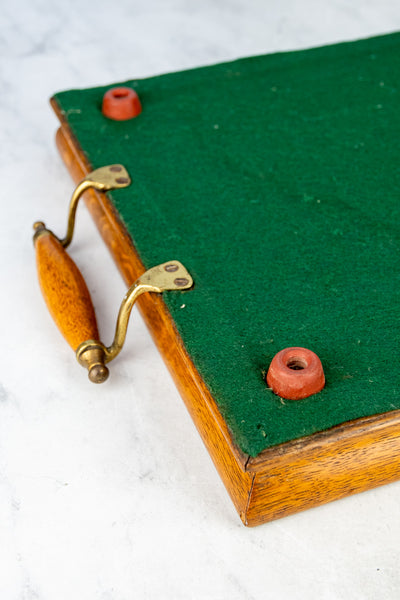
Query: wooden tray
(281,480)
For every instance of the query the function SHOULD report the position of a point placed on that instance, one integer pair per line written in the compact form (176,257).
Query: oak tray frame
(282,480)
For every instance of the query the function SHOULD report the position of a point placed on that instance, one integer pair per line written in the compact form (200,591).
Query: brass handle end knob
(91,355)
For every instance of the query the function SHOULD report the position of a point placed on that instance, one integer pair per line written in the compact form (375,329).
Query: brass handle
(65,291)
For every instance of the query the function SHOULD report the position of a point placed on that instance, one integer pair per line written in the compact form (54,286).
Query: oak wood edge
(281,480)
(346,460)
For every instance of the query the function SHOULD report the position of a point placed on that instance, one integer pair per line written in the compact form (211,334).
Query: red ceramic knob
(121,104)
(295,373)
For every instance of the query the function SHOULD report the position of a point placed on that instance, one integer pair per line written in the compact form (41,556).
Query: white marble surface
(106,493)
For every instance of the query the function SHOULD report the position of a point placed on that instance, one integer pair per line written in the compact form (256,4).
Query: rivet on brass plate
(181,281)
(171,268)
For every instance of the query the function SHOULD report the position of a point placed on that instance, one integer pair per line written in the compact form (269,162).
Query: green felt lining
(276,181)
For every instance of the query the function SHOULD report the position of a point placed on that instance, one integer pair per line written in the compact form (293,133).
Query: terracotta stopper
(295,373)
(121,104)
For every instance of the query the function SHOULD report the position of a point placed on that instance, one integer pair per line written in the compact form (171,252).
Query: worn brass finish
(40,229)
(168,276)
(105,179)
(158,279)
(91,355)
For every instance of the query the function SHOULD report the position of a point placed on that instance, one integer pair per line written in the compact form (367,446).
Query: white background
(106,492)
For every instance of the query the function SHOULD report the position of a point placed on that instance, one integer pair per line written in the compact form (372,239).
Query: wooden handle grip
(65,291)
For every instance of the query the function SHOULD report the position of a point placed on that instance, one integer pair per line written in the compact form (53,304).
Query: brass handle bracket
(105,179)
(65,290)
(169,276)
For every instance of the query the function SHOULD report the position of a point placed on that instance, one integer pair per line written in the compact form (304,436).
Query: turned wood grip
(65,291)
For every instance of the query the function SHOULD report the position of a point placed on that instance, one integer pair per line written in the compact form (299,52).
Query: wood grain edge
(343,461)
(228,459)
(281,480)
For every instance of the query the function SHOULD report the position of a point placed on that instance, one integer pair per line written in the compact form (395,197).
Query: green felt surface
(276,181)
